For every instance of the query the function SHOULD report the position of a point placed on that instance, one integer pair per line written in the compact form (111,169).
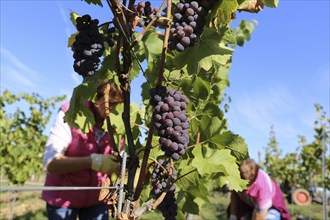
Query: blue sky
(275,79)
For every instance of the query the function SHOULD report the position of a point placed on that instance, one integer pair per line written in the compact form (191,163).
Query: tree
(304,166)
(22,138)
(314,154)
(194,67)
(273,156)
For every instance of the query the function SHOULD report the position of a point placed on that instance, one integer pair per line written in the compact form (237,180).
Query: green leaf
(79,115)
(233,142)
(225,11)
(73,17)
(218,161)
(201,87)
(207,50)
(107,70)
(210,126)
(187,177)
(190,206)
(95,2)
(271,3)
(153,45)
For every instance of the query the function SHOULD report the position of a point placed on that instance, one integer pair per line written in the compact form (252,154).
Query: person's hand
(232,217)
(105,163)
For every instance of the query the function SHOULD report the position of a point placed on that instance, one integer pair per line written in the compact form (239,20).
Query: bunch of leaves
(22,140)
(201,73)
(303,167)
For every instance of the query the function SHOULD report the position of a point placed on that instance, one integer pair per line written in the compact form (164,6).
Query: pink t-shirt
(259,195)
(264,194)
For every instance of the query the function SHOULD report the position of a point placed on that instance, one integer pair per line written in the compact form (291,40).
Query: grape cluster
(145,12)
(87,47)
(163,177)
(111,36)
(171,120)
(189,18)
(168,207)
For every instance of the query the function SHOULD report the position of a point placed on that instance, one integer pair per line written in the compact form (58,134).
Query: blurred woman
(72,158)
(262,200)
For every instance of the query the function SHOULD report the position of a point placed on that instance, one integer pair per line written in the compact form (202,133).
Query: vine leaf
(225,11)
(79,115)
(188,177)
(95,2)
(153,45)
(271,3)
(210,126)
(218,161)
(252,6)
(190,206)
(201,87)
(233,142)
(207,50)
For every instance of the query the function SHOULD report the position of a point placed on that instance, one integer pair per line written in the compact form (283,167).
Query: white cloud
(77,79)
(17,77)
(6,54)
(14,72)
(265,107)
(323,80)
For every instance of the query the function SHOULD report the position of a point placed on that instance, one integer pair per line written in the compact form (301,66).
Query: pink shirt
(260,193)
(264,194)
(72,142)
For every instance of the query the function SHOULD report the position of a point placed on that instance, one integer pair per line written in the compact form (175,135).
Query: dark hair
(254,168)
(115,93)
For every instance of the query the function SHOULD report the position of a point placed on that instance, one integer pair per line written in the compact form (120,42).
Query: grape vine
(201,73)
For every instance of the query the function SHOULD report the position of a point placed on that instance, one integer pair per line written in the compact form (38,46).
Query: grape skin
(189,18)
(170,120)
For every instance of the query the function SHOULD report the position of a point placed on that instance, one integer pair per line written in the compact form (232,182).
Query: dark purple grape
(176,121)
(191,15)
(175,156)
(88,46)
(194,5)
(182,117)
(189,12)
(179,47)
(169,117)
(174,146)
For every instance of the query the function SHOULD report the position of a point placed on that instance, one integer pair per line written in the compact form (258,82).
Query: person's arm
(62,164)
(58,140)
(233,205)
(259,214)
(264,199)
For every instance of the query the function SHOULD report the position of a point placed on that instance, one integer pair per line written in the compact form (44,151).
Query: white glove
(232,217)
(104,163)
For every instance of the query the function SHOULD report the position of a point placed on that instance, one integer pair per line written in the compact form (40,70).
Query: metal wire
(53,188)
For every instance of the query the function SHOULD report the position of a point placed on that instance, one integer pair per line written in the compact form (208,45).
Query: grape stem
(197,142)
(191,171)
(141,35)
(106,92)
(167,34)
(142,175)
(123,74)
(105,23)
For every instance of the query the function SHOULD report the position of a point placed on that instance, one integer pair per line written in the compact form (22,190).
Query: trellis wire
(53,188)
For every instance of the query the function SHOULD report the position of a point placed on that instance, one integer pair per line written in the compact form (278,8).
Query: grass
(30,206)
